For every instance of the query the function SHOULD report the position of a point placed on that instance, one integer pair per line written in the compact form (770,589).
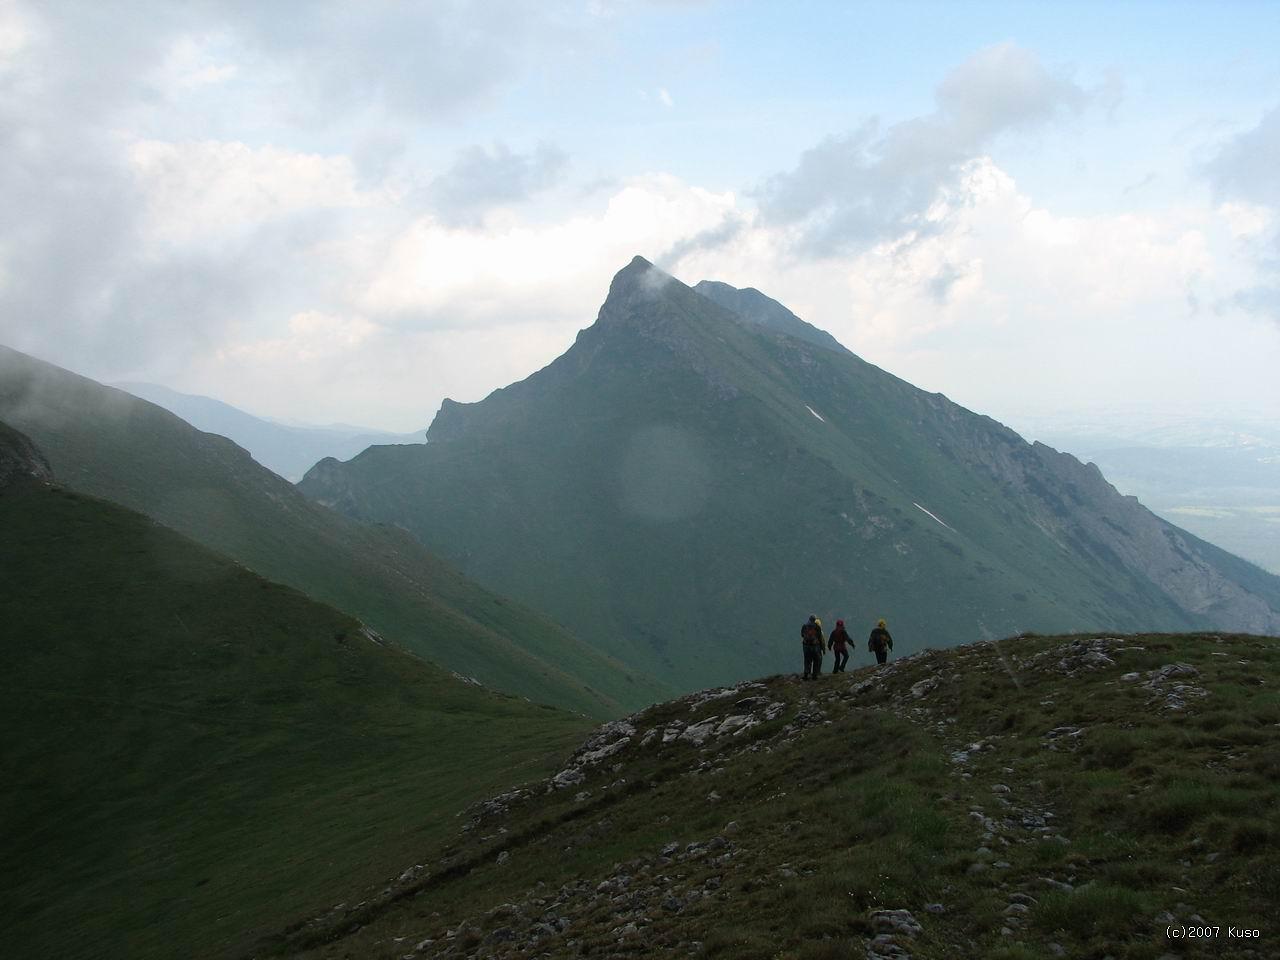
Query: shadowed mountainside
(191,752)
(112,445)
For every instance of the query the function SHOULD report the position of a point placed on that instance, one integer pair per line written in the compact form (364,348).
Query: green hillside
(687,483)
(112,445)
(1022,800)
(192,755)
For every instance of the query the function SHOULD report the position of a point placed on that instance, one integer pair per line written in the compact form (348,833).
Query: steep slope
(106,443)
(1031,798)
(192,754)
(683,487)
(286,450)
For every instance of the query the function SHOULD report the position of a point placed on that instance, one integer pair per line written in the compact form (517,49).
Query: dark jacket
(879,640)
(811,635)
(839,638)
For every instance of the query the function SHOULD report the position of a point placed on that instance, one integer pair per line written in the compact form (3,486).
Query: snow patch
(820,417)
(944,523)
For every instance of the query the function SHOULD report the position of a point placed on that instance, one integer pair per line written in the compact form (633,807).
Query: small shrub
(1174,808)
(1097,910)
(1110,748)
(1250,836)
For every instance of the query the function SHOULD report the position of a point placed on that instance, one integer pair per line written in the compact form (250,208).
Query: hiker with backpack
(880,643)
(812,640)
(839,644)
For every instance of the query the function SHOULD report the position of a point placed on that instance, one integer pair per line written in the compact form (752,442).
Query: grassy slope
(798,515)
(110,444)
(192,754)
(979,795)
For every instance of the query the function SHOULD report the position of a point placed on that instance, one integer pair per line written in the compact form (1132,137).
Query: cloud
(1246,167)
(481,179)
(734,222)
(422,60)
(430,275)
(1245,176)
(198,191)
(874,183)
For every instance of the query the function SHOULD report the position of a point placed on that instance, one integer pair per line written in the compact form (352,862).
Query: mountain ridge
(1091,795)
(110,444)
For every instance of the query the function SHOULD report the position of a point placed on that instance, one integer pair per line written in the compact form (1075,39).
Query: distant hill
(1030,798)
(284,449)
(687,483)
(192,754)
(107,443)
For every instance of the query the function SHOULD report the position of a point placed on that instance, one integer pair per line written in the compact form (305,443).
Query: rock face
(701,468)
(19,459)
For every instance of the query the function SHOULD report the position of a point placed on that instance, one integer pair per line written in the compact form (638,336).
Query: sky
(346,211)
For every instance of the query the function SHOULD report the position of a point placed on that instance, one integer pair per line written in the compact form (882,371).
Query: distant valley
(287,449)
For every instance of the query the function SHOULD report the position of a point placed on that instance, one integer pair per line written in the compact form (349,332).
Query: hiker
(839,645)
(880,643)
(812,640)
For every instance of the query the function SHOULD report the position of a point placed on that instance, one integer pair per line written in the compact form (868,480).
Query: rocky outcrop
(20,459)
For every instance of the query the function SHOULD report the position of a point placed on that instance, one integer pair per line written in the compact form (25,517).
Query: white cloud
(431,274)
(1001,298)
(664,97)
(311,336)
(1246,174)
(193,62)
(16,31)
(855,190)
(481,180)
(199,191)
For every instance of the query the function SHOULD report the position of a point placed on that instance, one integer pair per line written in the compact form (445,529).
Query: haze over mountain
(687,482)
(107,443)
(287,449)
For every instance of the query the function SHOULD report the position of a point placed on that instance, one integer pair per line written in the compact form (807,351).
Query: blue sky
(339,211)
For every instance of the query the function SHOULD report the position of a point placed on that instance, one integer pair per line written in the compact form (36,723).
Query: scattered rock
(924,687)
(896,922)
(567,778)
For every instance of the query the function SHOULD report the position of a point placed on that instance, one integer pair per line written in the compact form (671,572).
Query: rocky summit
(702,469)
(1067,796)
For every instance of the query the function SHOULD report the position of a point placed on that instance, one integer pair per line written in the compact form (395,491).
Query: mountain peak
(636,284)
